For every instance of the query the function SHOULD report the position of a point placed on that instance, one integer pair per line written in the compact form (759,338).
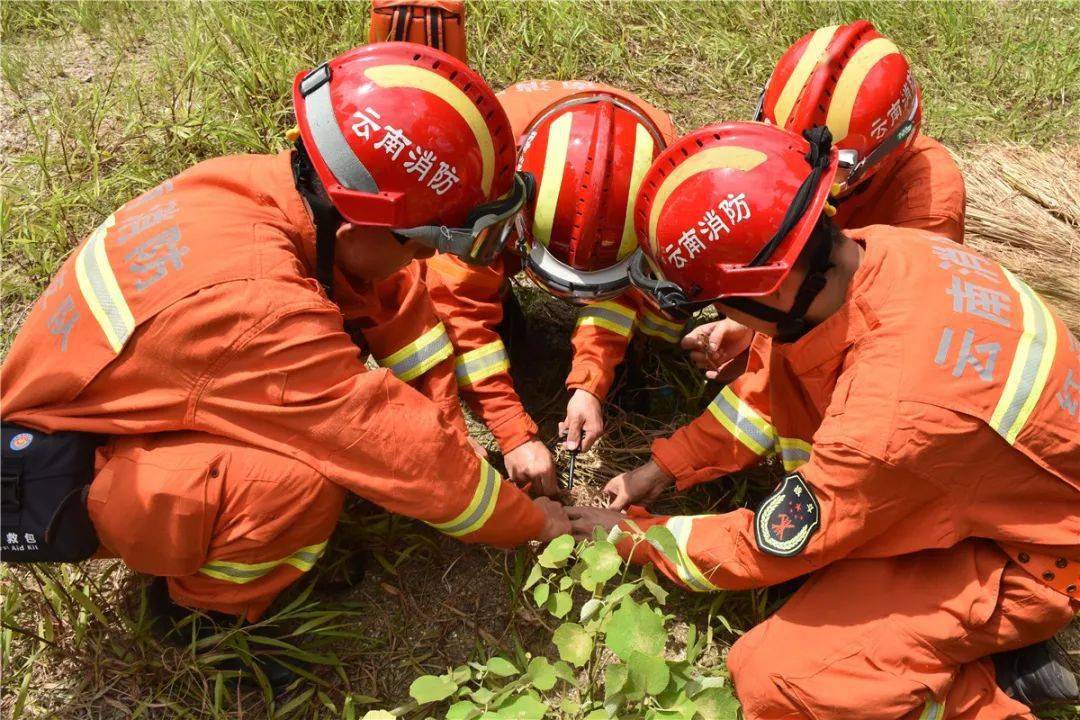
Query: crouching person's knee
(753,672)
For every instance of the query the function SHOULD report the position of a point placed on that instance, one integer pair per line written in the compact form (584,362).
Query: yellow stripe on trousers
(241,573)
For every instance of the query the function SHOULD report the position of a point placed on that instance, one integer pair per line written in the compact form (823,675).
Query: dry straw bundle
(1023,210)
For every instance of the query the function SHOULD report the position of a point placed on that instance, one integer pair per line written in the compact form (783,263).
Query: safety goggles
(851,167)
(672,299)
(486,231)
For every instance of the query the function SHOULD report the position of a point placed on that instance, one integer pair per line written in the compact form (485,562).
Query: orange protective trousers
(873,638)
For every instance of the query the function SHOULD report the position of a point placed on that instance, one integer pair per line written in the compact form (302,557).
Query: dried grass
(1023,210)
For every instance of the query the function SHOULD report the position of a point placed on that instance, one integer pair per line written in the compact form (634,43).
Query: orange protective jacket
(469,300)
(436,23)
(941,402)
(924,189)
(194,308)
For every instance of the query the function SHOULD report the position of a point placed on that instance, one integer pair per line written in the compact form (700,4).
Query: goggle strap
(820,140)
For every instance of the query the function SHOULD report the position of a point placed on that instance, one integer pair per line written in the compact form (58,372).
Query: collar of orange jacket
(832,337)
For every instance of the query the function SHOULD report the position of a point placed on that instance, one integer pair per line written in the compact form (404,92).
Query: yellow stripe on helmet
(812,55)
(558,143)
(643,157)
(728,157)
(851,79)
(389,76)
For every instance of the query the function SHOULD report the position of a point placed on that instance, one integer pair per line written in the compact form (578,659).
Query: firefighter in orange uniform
(924,403)
(195,331)
(587,145)
(858,84)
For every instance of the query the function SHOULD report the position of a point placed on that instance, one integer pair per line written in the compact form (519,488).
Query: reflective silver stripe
(406,368)
(740,425)
(102,290)
(481,507)
(331,144)
(681,526)
(625,324)
(481,363)
(1031,364)
(650,326)
(794,452)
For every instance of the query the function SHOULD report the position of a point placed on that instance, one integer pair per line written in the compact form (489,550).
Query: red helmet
(858,84)
(728,209)
(406,137)
(588,153)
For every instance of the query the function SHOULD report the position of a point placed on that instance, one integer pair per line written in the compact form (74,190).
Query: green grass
(104,100)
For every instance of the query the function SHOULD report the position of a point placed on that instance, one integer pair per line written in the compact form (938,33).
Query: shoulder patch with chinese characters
(786,520)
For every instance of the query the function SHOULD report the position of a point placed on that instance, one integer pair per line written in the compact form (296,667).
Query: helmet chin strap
(792,324)
(326,218)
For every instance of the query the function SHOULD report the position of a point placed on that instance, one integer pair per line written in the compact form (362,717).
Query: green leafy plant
(615,654)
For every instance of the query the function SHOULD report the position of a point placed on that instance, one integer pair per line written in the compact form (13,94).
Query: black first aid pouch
(45,479)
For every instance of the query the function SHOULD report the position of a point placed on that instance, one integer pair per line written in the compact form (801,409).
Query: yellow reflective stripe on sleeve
(416,358)
(481,363)
(743,422)
(794,452)
(479,510)
(240,573)
(1031,364)
(660,327)
(933,711)
(610,316)
(681,527)
(101,291)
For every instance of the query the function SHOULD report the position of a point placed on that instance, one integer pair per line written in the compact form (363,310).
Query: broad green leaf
(717,704)
(698,684)
(569,707)
(523,707)
(534,577)
(648,672)
(501,667)
(559,604)
(635,627)
(429,688)
(599,714)
(461,674)
(566,582)
(603,561)
(557,551)
(660,536)
(590,608)
(615,677)
(619,593)
(541,594)
(378,715)
(461,710)
(541,674)
(574,644)
(648,576)
(482,695)
(564,672)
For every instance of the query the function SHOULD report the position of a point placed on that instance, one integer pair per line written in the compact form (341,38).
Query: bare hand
(641,485)
(584,519)
(714,345)
(531,464)
(556,522)
(584,421)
